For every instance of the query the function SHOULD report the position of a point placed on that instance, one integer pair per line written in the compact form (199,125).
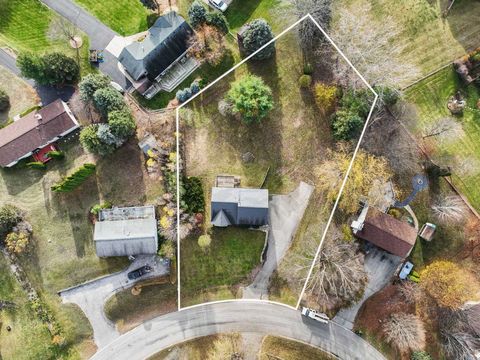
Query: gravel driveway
(91,296)
(285,212)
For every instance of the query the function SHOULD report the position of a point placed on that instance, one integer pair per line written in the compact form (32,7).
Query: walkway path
(286,213)
(236,316)
(91,296)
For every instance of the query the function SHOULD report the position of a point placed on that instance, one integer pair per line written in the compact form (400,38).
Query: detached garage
(126,231)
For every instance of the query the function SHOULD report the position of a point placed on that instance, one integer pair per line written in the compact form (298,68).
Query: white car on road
(218,4)
(313,314)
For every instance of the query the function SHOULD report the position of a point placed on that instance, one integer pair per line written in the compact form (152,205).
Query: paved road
(285,212)
(234,316)
(47,94)
(100,35)
(380,267)
(91,296)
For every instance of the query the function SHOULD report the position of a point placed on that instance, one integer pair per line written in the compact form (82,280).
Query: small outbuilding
(239,206)
(383,230)
(126,231)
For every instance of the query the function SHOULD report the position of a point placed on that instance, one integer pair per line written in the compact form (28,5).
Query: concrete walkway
(236,316)
(380,267)
(285,212)
(91,296)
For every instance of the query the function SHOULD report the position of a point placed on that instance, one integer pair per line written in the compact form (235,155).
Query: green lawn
(25,26)
(126,17)
(430,99)
(233,254)
(127,310)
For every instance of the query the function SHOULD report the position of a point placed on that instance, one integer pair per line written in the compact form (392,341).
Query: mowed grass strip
(233,254)
(127,17)
(430,98)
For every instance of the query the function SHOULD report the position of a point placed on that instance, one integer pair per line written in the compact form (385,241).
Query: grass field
(25,25)
(127,17)
(127,310)
(281,348)
(206,276)
(22,95)
(430,99)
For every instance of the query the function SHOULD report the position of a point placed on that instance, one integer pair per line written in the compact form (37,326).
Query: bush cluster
(198,16)
(258,34)
(193,196)
(4,101)
(325,96)
(186,93)
(10,216)
(36,165)
(76,179)
(103,139)
(55,69)
(305,81)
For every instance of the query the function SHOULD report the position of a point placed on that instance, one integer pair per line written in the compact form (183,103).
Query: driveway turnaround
(91,296)
(285,212)
(380,267)
(252,316)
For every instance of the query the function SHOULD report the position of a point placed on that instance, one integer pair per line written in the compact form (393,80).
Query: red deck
(41,155)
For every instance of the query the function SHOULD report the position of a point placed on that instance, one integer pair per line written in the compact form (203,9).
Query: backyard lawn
(459,151)
(25,25)
(22,95)
(126,17)
(212,275)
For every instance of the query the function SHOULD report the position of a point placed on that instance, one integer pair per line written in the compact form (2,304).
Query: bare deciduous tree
(410,291)
(207,45)
(371,48)
(405,332)
(339,271)
(226,347)
(444,130)
(321,11)
(62,28)
(449,209)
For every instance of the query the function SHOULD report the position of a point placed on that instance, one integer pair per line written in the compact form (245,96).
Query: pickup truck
(313,314)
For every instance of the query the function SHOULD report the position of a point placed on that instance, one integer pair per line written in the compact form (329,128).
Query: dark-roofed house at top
(239,206)
(160,61)
(35,131)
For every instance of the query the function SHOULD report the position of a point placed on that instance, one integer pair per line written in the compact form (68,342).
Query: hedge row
(74,180)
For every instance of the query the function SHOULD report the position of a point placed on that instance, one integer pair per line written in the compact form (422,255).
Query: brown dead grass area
(376,311)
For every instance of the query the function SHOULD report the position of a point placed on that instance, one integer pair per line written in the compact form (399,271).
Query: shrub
(75,179)
(251,98)
(167,249)
(36,165)
(108,99)
(308,69)
(346,125)
(325,96)
(217,20)
(225,108)
(4,101)
(193,196)
(149,4)
(17,243)
(95,209)
(121,123)
(356,101)
(388,96)
(55,154)
(91,142)
(195,87)
(347,233)
(50,69)
(184,95)
(258,34)
(92,83)
(151,19)
(204,242)
(305,81)
(107,138)
(10,216)
(197,14)
(420,355)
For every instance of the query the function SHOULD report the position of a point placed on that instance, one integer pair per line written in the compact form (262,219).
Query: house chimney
(38,117)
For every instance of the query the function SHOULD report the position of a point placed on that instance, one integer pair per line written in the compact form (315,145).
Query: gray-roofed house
(239,206)
(126,231)
(160,61)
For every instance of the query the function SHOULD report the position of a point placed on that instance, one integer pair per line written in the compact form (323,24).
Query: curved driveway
(235,316)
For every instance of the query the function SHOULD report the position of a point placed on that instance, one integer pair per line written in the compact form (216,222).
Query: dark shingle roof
(166,40)
(388,233)
(30,132)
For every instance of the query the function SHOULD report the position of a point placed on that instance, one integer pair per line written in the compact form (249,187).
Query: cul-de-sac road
(236,316)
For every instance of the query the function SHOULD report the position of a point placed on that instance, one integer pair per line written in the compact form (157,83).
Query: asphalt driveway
(380,267)
(91,296)
(285,213)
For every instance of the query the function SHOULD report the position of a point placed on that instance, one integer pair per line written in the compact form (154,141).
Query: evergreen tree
(197,14)
(258,34)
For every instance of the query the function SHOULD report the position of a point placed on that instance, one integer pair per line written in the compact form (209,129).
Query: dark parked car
(135,274)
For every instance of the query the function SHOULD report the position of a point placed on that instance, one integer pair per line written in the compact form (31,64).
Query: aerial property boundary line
(308,16)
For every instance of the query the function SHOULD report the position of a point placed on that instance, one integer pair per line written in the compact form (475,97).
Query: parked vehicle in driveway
(313,314)
(117,87)
(135,274)
(218,4)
